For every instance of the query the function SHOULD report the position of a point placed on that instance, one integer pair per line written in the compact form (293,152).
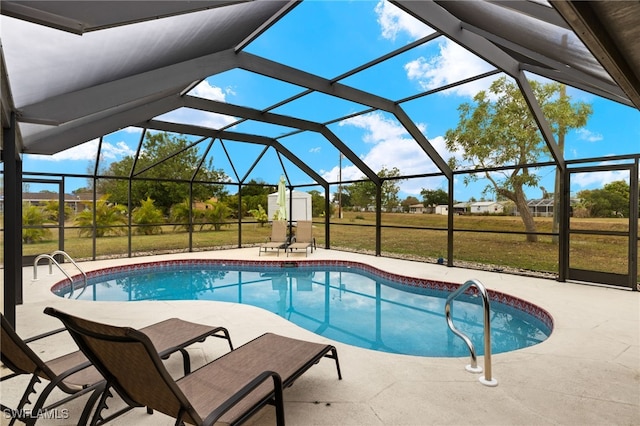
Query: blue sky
(326,40)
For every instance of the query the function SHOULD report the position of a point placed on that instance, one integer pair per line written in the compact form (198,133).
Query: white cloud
(202,118)
(588,135)
(315,150)
(593,180)
(87,151)
(394,21)
(207,91)
(454,63)
(197,118)
(392,146)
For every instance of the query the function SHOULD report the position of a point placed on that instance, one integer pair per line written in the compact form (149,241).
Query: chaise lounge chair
(229,389)
(74,374)
(304,238)
(278,239)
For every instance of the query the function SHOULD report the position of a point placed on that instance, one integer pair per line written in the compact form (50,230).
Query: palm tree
(217,213)
(107,218)
(148,217)
(34,216)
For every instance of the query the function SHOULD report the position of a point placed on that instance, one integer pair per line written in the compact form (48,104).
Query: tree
(260,215)
(499,130)
(390,188)
(148,217)
(51,210)
(107,216)
(163,156)
(181,215)
(566,121)
(363,193)
(34,216)
(255,193)
(317,204)
(216,213)
(408,202)
(434,197)
(344,199)
(610,201)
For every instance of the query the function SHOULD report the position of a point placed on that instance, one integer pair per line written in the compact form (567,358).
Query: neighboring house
(416,208)
(486,207)
(77,202)
(461,208)
(204,205)
(543,207)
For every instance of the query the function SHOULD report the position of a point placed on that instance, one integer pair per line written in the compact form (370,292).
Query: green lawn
(415,236)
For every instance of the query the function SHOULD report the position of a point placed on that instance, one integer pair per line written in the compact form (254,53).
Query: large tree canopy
(434,197)
(363,194)
(498,129)
(610,201)
(162,172)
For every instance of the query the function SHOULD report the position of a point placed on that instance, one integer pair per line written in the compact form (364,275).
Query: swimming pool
(345,301)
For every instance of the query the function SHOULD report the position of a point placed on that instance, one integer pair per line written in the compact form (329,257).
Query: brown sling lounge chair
(228,390)
(304,238)
(74,374)
(278,239)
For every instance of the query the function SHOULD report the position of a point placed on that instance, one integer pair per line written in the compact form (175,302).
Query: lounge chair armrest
(246,390)
(43,335)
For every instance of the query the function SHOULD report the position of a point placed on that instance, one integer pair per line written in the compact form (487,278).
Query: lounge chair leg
(102,404)
(279,400)
(30,389)
(86,412)
(334,355)
(40,402)
(226,336)
(186,361)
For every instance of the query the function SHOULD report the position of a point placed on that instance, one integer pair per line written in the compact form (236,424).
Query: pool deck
(586,373)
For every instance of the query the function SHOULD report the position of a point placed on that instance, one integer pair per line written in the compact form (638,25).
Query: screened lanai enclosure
(170,118)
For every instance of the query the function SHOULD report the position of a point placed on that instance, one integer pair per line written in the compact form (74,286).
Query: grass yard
(415,236)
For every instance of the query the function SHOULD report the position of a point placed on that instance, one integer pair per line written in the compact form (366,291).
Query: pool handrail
(52,261)
(486,380)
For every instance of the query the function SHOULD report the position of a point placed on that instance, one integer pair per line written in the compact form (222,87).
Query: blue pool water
(347,304)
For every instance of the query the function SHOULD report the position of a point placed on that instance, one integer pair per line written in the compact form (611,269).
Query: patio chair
(229,389)
(304,238)
(278,239)
(74,374)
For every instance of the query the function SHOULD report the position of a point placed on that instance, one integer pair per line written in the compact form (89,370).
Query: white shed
(301,204)
(442,209)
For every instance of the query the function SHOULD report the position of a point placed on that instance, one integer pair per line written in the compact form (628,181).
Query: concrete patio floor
(586,373)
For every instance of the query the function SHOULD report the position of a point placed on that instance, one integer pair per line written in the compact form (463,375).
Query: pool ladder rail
(52,261)
(486,380)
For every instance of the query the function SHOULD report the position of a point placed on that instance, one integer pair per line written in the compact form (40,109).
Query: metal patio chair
(75,375)
(229,389)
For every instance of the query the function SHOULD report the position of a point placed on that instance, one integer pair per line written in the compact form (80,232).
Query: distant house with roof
(77,202)
(486,207)
(416,208)
(543,207)
(458,208)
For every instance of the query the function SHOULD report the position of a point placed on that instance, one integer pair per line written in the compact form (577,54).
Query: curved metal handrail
(473,367)
(84,275)
(51,262)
